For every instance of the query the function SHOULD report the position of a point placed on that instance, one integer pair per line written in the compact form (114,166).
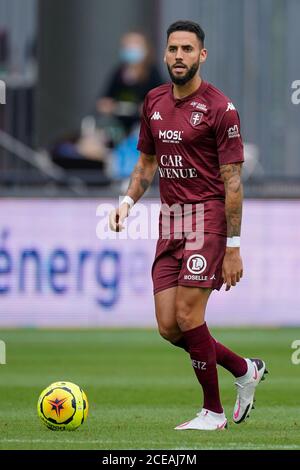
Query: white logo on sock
(199,364)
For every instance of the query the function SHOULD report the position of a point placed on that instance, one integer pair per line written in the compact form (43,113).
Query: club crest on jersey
(196,118)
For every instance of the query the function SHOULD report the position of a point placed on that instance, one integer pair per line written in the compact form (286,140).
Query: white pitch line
(65,441)
(231,445)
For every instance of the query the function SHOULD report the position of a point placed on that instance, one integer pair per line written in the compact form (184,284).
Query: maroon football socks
(202,351)
(231,361)
(226,358)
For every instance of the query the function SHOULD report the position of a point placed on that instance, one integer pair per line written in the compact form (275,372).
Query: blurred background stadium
(68,136)
(68,132)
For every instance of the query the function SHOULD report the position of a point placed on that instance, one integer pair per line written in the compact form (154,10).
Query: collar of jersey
(202,87)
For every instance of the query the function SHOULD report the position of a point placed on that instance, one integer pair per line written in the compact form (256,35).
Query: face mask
(132,55)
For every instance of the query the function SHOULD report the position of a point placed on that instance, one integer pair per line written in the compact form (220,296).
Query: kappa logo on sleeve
(230,107)
(156,116)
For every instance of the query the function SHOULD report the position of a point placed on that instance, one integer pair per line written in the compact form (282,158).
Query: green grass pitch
(139,388)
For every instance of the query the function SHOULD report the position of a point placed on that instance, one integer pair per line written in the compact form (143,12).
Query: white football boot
(246,386)
(206,420)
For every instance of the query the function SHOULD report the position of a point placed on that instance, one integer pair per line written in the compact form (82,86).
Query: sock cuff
(197,335)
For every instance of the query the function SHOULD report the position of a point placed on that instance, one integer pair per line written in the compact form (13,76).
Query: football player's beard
(191,72)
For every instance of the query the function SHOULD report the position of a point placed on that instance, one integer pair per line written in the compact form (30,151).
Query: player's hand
(232,269)
(117,217)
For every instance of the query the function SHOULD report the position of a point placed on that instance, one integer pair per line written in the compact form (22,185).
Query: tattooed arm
(140,180)
(231,175)
(232,264)
(142,176)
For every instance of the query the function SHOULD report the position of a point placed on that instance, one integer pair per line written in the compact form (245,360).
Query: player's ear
(165,59)
(203,55)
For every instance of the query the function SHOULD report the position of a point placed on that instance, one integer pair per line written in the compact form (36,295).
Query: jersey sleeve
(228,137)
(146,142)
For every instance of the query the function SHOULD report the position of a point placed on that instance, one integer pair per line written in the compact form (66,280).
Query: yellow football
(63,406)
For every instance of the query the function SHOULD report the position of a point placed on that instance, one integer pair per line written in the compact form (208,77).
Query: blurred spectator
(130,81)
(117,115)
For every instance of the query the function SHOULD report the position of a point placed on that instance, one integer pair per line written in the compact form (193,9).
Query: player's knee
(169,333)
(184,312)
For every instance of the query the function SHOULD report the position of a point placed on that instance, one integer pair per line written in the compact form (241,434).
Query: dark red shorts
(175,265)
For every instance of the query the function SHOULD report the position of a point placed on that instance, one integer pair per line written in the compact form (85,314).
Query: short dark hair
(189,26)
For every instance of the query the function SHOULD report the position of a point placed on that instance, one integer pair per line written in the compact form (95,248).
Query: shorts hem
(204,285)
(161,288)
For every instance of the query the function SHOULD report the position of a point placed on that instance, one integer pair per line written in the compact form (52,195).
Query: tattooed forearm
(138,179)
(137,176)
(145,184)
(142,176)
(231,175)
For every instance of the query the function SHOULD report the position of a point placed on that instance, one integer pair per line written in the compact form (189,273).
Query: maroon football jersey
(191,138)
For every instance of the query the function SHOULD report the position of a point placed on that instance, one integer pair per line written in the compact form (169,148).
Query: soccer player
(190,131)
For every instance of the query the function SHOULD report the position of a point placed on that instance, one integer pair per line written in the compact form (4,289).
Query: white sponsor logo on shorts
(196,264)
(194,277)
